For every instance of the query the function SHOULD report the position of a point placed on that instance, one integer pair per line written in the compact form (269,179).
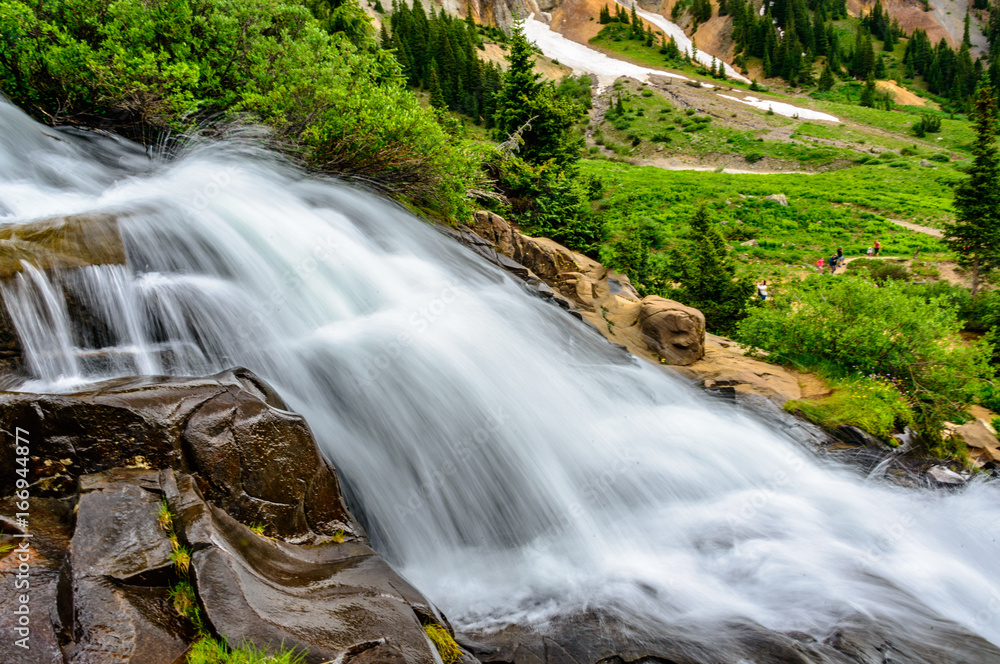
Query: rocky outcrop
(673,331)
(223,454)
(654,328)
(601,637)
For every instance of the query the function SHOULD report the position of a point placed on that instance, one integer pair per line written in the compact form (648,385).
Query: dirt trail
(926,230)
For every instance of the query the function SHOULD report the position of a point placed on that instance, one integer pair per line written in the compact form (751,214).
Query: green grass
(839,208)
(664,129)
(875,406)
(211,651)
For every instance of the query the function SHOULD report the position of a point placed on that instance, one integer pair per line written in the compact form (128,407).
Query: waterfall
(514,465)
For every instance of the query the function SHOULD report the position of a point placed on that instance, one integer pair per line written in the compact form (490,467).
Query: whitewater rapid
(509,461)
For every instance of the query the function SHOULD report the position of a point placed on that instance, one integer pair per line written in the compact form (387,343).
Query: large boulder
(216,455)
(253,458)
(673,331)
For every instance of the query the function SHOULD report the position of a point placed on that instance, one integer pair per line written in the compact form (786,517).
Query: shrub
(940,157)
(927,124)
(139,69)
(864,328)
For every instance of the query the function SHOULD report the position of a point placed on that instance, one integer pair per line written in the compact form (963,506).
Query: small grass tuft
(444,642)
(212,651)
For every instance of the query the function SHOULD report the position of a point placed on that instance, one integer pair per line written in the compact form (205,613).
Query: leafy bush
(927,124)
(139,68)
(940,157)
(879,270)
(863,328)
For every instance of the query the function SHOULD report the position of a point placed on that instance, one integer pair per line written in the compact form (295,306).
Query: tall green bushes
(138,66)
(856,327)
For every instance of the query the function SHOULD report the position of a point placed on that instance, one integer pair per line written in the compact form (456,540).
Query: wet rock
(49,591)
(61,242)
(254,459)
(121,569)
(336,601)
(943,475)
(673,331)
(855,436)
(101,581)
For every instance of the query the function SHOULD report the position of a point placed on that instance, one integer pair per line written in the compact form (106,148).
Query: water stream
(511,463)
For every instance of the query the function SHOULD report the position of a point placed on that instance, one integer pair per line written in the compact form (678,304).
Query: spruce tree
(826,80)
(708,276)
(868,92)
(975,234)
(434,86)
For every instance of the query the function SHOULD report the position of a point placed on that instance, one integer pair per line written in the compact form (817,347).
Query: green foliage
(872,404)
(210,651)
(530,106)
(879,270)
(866,329)
(975,233)
(707,275)
(551,202)
(927,124)
(137,68)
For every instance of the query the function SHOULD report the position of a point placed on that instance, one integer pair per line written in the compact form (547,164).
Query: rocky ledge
(139,486)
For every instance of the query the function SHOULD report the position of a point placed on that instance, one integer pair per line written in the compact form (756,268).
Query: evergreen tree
(434,86)
(966,39)
(975,234)
(868,92)
(708,277)
(826,80)
(525,101)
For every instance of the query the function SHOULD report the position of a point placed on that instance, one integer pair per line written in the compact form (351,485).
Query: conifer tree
(868,91)
(434,86)
(975,234)
(708,276)
(826,80)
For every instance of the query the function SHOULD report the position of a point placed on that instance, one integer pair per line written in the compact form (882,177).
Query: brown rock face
(253,458)
(604,298)
(673,331)
(61,242)
(222,452)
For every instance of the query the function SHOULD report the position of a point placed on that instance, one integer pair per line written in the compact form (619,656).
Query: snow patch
(583,59)
(671,29)
(781,108)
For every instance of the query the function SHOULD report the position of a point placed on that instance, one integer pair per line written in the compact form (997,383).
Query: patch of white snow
(683,41)
(781,108)
(583,59)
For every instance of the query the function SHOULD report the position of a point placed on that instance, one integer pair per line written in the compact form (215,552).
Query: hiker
(870,250)
(819,264)
(833,264)
(762,290)
(840,256)
(878,247)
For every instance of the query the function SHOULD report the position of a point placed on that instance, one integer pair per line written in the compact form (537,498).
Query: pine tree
(966,39)
(708,276)
(826,80)
(434,86)
(868,92)
(975,234)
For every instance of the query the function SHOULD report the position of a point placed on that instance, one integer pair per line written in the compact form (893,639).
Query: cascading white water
(513,464)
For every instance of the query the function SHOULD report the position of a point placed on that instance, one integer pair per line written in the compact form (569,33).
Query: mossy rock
(61,243)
